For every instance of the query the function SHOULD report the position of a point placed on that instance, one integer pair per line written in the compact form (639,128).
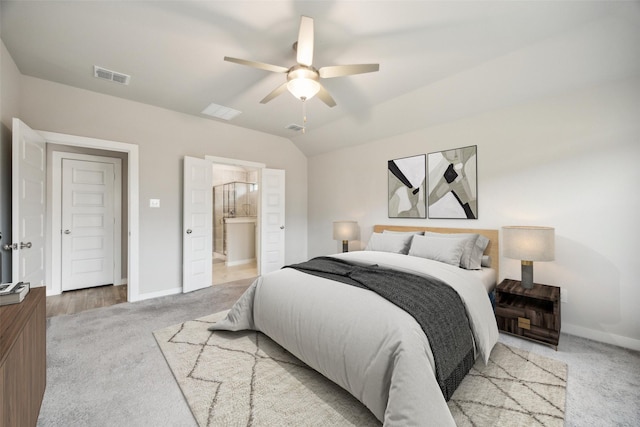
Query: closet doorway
(86,207)
(90,217)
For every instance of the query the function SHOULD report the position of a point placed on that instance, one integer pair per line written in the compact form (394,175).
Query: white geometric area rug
(246,379)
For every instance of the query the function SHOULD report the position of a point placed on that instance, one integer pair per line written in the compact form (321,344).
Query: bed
(368,345)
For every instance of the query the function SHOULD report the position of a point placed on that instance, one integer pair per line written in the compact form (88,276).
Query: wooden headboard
(492,235)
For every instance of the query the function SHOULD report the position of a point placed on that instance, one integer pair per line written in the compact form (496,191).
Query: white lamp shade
(345,230)
(303,82)
(528,243)
(303,88)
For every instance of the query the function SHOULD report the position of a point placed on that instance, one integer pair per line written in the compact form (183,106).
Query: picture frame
(453,184)
(406,187)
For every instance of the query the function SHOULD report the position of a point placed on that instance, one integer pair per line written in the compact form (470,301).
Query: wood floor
(71,302)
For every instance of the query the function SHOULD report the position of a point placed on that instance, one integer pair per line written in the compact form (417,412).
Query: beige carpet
(245,379)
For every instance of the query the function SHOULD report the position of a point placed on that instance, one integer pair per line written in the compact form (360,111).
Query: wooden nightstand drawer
(538,313)
(529,313)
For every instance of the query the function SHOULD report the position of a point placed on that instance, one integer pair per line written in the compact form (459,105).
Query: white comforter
(361,341)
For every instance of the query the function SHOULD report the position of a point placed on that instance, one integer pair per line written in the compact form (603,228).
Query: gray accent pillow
(481,244)
(441,249)
(486,261)
(390,242)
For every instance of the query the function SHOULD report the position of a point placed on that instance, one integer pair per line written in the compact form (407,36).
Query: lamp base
(527,274)
(345,246)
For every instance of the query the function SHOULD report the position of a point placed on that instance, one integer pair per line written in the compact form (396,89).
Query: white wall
(568,161)
(164,137)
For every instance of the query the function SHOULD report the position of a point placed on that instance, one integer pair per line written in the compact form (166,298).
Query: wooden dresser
(23,359)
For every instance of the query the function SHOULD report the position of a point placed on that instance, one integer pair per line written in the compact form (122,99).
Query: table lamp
(345,231)
(528,244)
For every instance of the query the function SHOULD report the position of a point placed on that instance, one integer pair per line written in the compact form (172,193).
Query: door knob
(25,245)
(67,232)
(282,227)
(189,231)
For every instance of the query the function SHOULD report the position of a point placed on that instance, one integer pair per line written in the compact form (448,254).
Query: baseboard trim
(240,262)
(150,295)
(601,336)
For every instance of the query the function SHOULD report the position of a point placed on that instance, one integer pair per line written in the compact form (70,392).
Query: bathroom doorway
(235,231)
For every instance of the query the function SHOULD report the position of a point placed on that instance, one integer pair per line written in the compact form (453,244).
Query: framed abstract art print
(407,183)
(453,183)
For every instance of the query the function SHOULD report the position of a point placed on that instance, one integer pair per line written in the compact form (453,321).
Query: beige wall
(9,106)
(164,137)
(569,161)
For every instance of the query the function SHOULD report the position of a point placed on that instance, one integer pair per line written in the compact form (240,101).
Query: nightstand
(529,313)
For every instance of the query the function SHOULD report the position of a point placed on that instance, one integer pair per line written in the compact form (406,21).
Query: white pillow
(389,242)
(441,249)
(469,260)
(421,233)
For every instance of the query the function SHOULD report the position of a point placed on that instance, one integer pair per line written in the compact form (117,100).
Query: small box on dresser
(529,313)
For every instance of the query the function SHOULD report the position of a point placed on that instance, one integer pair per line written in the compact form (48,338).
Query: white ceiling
(439,60)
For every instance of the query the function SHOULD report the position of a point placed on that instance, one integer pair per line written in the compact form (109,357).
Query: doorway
(235,228)
(198,234)
(131,210)
(86,206)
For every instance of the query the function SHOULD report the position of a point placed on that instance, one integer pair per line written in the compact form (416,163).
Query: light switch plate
(154,203)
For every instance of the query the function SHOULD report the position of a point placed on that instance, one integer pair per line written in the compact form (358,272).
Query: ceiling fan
(303,78)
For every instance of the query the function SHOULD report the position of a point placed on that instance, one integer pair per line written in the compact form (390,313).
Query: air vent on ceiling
(294,126)
(114,76)
(221,112)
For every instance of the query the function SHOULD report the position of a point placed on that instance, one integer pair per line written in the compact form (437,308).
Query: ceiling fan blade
(325,97)
(347,70)
(305,42)
(277,91)
(254,64)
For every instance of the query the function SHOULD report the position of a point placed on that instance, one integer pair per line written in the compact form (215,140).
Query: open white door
(197,232)
(28,204)
(272,225)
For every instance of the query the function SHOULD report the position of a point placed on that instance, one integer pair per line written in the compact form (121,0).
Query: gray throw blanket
(434,304)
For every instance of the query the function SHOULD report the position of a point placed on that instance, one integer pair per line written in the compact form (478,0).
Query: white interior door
(272,226)
(88,220)
(28,205)
(197,241)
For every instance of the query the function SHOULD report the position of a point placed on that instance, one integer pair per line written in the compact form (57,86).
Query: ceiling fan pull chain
(304,114)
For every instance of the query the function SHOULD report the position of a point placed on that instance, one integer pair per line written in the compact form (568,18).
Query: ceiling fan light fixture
(303,88)
(303,82)
(303,79)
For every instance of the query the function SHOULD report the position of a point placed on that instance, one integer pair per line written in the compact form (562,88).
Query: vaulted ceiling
(439,60)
